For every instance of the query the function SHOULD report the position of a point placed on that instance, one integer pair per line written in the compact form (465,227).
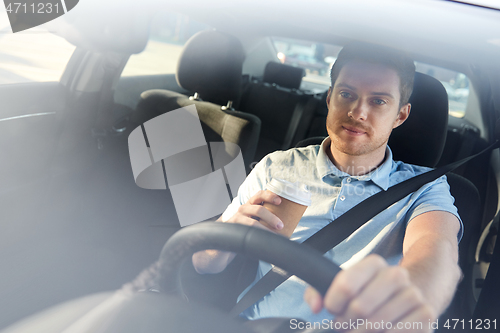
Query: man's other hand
(378,293)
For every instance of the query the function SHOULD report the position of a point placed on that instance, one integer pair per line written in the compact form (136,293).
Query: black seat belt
(334,233)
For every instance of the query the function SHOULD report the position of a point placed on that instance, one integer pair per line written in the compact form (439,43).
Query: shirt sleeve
(435,196)
(254,182)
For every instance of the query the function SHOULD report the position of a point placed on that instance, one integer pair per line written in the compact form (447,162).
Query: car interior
(80,225)
(420,140)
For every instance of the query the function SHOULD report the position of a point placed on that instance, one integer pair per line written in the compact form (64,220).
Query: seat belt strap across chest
(334,233)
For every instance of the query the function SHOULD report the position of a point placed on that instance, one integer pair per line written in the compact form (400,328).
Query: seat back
(284,76)
(280,105)
(468,203)
(218,125)
(210,66)
(420,139)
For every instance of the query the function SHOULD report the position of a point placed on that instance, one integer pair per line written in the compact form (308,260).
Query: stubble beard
(356,149)
(350,149)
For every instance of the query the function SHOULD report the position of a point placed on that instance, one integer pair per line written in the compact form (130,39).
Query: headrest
(283,75)
(211,64)
(420,139)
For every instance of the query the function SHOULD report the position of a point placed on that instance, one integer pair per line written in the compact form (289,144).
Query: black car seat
(211,67)
(282,107)
(420,140)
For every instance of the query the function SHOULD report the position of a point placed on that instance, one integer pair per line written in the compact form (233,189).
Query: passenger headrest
(211,65)
(420,139)
(283,75)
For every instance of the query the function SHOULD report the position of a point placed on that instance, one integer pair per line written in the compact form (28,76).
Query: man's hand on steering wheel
(377,293)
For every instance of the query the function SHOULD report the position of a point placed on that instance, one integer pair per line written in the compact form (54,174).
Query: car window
(456,84)
(168,33)
(317,59)
(35,55)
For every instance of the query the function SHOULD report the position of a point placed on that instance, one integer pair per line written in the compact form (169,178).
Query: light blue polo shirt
(333,193)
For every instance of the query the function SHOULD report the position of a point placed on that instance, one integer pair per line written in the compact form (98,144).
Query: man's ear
(403,114)
(328,96)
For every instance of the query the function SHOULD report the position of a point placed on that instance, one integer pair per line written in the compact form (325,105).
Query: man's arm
(430,254)
(252,213)
(419,289)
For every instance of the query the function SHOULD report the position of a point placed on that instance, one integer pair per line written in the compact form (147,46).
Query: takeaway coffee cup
(295,198)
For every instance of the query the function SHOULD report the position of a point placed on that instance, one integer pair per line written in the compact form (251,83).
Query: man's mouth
(353,130)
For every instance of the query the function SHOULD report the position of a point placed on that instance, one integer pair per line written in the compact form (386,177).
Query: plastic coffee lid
(296,192)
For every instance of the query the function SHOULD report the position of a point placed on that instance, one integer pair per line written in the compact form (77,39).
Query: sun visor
(103,27)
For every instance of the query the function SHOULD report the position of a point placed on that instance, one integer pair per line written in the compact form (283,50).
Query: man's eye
(345,94)
(379,101)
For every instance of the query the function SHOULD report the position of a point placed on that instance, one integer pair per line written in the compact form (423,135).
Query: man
(389,275)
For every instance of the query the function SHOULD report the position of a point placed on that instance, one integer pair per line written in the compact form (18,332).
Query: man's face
(363,108)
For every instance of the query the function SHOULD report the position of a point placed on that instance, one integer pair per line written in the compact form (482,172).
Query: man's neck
(356,165)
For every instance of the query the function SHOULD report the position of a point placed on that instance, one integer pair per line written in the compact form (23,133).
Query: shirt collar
(379,176)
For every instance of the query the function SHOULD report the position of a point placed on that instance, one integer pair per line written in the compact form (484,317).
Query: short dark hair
(376,54)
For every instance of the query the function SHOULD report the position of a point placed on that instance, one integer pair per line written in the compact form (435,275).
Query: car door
(33,101)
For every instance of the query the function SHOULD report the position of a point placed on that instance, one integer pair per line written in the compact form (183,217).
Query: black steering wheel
(126,312)
(297,259)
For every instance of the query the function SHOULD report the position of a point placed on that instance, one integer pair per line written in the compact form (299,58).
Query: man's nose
(359,110)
